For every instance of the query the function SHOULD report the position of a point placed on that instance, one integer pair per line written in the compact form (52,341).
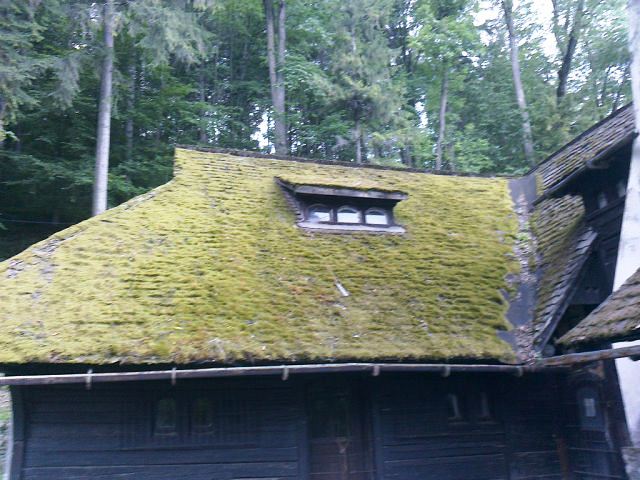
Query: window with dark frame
(475,407)
(220,418)
(591,415)
(165,420)
(202,416)
(484,407)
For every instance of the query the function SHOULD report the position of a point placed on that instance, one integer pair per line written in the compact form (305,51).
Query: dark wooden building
(266,318)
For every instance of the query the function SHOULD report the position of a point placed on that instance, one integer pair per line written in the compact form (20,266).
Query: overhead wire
(42,222)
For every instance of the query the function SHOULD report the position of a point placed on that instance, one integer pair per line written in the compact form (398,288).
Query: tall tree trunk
(602,95)
(442,117)
(104,116)
(616,99)
(281,122)
(406,157)
(276,70)
(451,156)
(357,138)
(131,103)
(202,97)
(527,136)
(569,51)
(3,134)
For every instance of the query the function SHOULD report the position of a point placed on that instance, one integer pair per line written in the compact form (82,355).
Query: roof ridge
(255,154)
(579,137)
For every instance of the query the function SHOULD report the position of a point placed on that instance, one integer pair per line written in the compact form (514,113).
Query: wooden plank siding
(107,432)
(418,440)
(505,428)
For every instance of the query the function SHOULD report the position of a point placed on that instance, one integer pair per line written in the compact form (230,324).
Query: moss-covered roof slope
(564,242)
(211,267)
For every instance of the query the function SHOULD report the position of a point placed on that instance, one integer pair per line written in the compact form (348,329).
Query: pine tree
(19,64)
(360,72)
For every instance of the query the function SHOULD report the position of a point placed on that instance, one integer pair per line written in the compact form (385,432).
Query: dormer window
(344,209)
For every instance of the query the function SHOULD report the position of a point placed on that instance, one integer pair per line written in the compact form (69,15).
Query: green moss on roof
(558,225)
(211,267)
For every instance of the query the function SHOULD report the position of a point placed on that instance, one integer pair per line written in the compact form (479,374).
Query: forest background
(475,86)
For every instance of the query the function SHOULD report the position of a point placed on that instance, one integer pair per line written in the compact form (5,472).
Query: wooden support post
(15,451)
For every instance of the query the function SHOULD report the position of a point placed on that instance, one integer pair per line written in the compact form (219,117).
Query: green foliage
(20,64)
(194,71)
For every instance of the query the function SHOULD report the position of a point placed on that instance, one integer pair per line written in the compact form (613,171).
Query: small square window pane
(376,217)
(602,200)
(319,213)
(348,215)
(166,416)
(589,407)
(202,415)
(485,407)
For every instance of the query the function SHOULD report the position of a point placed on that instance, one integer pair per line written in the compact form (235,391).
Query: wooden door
(339,443)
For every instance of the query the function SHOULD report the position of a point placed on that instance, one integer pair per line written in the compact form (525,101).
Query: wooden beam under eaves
(587,357)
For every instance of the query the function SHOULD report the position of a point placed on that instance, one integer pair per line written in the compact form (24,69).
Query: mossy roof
(211,267)
(617,318)
(563,243)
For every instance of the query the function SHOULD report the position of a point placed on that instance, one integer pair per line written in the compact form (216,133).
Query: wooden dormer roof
(585,151)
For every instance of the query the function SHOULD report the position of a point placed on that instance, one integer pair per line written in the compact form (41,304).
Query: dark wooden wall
(594,442)
(603,193)
(503,427)
(606,185)
(106,433)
